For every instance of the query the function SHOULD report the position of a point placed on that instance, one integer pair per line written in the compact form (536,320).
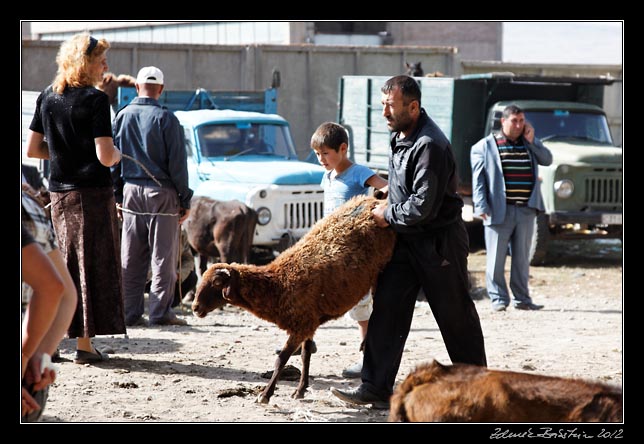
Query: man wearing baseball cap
(149,75)
(155,197)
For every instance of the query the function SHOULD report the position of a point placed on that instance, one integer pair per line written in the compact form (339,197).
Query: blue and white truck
(239,148)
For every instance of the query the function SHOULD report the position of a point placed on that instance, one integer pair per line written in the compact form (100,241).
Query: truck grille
(603,190)
(298,215)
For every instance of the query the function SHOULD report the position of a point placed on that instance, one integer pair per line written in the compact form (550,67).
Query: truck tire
(540,240)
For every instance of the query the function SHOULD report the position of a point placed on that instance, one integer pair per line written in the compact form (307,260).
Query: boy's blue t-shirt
(349,183)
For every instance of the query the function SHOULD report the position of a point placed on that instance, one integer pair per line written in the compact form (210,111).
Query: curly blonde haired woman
(72,128)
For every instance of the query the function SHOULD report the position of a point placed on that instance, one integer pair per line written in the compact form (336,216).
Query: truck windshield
(565,124)
(247,138)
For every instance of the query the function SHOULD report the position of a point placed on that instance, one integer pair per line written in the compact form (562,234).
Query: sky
(563,42)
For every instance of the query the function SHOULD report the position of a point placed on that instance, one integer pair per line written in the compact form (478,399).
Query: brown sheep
(223,229)
(319,278)
(468,393)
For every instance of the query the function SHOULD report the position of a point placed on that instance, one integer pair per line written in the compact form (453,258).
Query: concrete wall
(474,40)
(308,95)
(613,95)
(309,92)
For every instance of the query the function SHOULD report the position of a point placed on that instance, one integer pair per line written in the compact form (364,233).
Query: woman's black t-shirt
(70,122)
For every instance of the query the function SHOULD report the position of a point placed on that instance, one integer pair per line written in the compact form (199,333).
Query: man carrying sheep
(431,251)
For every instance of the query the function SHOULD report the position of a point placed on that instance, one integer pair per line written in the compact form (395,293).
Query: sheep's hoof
(261,399)
(297,394)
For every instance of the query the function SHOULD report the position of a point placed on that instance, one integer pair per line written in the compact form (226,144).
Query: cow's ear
(222,277)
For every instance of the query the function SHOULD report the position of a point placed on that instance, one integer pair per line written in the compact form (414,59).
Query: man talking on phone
(507,196)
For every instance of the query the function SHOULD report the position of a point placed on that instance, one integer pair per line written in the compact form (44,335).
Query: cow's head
(414,69)
(214,290)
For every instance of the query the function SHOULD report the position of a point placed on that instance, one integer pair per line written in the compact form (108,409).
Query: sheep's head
(214,289)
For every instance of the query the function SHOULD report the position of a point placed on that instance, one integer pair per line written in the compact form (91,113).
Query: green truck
(582,189)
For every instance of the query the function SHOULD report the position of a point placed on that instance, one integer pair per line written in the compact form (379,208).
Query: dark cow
(468,393)
(220,229)
(414,69)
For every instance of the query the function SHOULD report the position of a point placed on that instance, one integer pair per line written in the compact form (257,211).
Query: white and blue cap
(150,74)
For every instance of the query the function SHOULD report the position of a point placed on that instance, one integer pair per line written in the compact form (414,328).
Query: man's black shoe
(361,396)
(527,306)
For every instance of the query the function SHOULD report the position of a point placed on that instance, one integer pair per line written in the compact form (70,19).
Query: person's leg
(135,253)
(74,236)
(85,344)
(66,309)
(164,243)
(363,326)
(496,249)
(520,261)
(442,264)
(360,313)
(48,286)
(393,309)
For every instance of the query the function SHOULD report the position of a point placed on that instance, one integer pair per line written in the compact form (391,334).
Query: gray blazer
(488,185)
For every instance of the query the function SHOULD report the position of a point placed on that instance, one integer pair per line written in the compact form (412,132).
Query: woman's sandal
(83,357)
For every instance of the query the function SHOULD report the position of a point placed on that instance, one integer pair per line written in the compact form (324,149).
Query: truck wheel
(540,240)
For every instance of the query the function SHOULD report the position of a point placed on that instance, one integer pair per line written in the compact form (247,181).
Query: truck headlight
(564,188)
(263,215)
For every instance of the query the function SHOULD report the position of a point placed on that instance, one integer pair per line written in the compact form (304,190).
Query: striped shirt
(517,171)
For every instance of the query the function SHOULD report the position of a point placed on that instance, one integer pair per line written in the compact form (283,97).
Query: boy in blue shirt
(343,180)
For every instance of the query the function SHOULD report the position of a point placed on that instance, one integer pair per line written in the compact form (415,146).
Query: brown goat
(319,278)
(468,393)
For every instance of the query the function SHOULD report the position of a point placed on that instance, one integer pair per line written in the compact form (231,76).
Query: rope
(138,213)
(180,249)
(142,167)
(141,213)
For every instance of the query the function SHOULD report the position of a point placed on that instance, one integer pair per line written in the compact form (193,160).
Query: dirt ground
(211,370)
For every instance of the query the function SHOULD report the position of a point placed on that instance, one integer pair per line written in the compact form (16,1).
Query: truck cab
(582,188)
(250,157)
(239,148)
